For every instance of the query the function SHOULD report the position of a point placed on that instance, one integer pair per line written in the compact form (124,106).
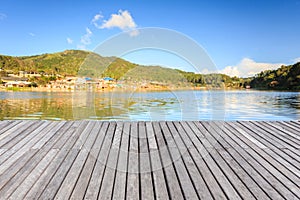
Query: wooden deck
(149,160)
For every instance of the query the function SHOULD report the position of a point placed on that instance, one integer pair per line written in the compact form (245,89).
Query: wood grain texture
(149,160)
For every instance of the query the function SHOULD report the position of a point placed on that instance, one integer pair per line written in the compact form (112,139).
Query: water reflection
(167,105)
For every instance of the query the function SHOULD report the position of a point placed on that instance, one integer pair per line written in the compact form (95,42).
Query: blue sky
(241,37)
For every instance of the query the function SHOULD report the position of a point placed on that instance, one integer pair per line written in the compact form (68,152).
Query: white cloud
(296,60)
(86,39)
(69,41)
(248,67)
(230,71)
(96,19)
(31,34)
(2,16)
(122,20)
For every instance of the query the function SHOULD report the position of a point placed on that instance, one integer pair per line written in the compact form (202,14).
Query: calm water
(167,105)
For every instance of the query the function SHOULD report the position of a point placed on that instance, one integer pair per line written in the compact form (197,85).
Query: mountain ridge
(89,64)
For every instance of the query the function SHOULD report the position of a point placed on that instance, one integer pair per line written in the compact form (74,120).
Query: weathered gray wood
(173,185)
(9,126)
(132,189)
(12,139)
(70,179)
(194,149)
(36,160)
(39,186)
(293,155)
(237,166)
(147,188)
(97,176)
(49,135)
(106,189)
(121,176)
(21,148)
(288,189)
(4,124)
(15,167)
(24,187)
(281,133)
(287,129)
(276,153)
(59,177)
(183,173)
(15,131)
(278,165)
(30,165)
(83,180)
(278,137)
(149,160)
(184,145)
(221,178)
(242,158)
(295,125)
(228,172)
(159,181)
(262,135)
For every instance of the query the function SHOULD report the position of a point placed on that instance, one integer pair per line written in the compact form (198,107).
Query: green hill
(284,78)
(89,64)
(68,62)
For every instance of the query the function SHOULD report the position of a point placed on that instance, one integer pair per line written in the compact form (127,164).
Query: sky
(241,37)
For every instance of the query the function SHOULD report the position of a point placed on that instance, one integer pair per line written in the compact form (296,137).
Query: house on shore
(9,81)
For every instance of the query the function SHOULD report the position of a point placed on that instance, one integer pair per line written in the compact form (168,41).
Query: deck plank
(106,190)
(22,189)
(149,160)
(132,189)
(97,176)
(21,148)
(173,185)
(4,124)
(171,137)
(242,157)
(185,145)
(274,176)
(227,170)
(279,166)
(159,181)
(147,189)
(58,179)
(13,139)
(275,135)
(222,179)
(9,126)
(23,175)
(73,174)
(119,191)
(16,131)
(83,180)
(197,154)
(275,152)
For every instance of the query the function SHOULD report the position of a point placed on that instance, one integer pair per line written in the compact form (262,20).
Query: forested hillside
(89,64)
(286,77)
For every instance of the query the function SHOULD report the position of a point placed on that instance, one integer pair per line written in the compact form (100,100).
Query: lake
(146,106)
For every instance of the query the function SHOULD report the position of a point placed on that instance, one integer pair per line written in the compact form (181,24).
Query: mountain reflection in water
(146,106)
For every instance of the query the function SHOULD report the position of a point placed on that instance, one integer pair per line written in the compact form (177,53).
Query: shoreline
(135,88)
(117,89)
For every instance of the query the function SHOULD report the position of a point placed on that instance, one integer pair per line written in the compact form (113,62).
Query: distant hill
(89,64)
(284,78)
(68,62)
